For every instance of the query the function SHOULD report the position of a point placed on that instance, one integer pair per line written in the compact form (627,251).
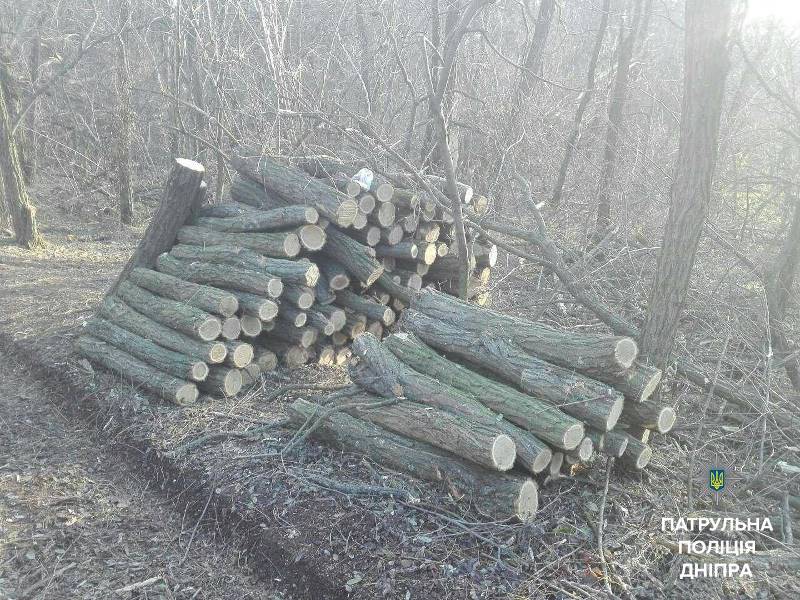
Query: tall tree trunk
(779,287)
(533,57)
(586,96)
(616,116)
(125,119)
(23,214)
(34,62)
(705,71)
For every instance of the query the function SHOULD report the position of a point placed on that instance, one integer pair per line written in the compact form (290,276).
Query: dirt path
(76,522)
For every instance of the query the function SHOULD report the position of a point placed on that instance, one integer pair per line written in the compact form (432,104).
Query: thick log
(255,221)
(365,306)
(256,306)
(375,328)
(231,328)
(222,382)
(114,310)
(428,232)
(485,256)
(181,196)
(204,297)
(303,336)
(252,193)
(637,454)
(360,221)
(356,258)
(296,187)
(186,319)
(293,315)
(291,355)
(224,276)
(250,375)
(335,273)
(252,325)
(369,235)
(496,496)
(335,315)
(590,354)
(485,446)
(390,236)
(322,291)
(446,268)
(151,379)
(650,416)
(312,237)
(279,245)
(590,401)
(540,418)
(301,296)
(225,210)
(638,383)
(406,199)
(240,354)
(384,215)
(381,372)
(354,324)
(366,203)
(298,272)
(394,289)
(614,443)
(326,355)
(405,250)
(265,358)
(169,361)
(409,222)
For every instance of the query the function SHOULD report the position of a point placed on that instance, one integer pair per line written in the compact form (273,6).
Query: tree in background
(705,71)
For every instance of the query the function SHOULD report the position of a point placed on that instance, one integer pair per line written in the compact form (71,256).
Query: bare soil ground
(77,522)
(307,518)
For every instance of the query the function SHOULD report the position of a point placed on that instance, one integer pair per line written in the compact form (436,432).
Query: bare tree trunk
(616,116)
(23,214)
(125,119)
(533,57)
(705,70)
(586,96)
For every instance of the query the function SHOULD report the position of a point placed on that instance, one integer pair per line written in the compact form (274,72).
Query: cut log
(366,203)
(262,220)
(293,315)
(326,355)
(637,383)
(222,382)
(409,222)
(280,245)
(204,297)
(382,373)
(231,328)
(485,446)
(240,354)
(495,496)
(360,221)
(375,328)
(320,322)
(339,338)
(298,188)
(256,306)
(394,289)
(408,279)
(181,196)
(445,268)
(354,325)
(598,439)
(343,355)
(356,258)
(429,252)
(365,306)
(302,336)
(186,319)
(335,273)
(583,452)
(336,316)
(224,276)
(322,291)
(250,375)
(428,232)
(140,373)
(252,325)
(485,256)
(312,237)
(369,235)
(589,354)
(614,443)
(637,454)
(265,358)
(406,199)
(554,469)
(298,272)
(291,355)
(586,399)
(384,215)
(650,416)
(389,264)
(225,210)
(169,361)
(391,236)
(542,419)
(301,296)
(114,310)
(252,193)
(405,250)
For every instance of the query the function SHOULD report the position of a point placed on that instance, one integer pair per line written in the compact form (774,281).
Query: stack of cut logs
(301,260)
(506,393)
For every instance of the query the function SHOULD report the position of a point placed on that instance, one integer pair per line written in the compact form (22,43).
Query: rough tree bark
(705,71)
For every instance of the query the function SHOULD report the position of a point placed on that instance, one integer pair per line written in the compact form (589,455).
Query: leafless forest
(640,160)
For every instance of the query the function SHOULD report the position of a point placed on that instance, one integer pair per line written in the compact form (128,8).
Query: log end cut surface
(187,394)
(626,352)
(210,329)
(573,436)
(504,452)
(528,501)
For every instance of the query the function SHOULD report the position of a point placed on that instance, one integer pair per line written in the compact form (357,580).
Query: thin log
(255,221)
(356,258)
(300,296)
(204,297)
(365,306)
(615,443)
(224,276)
(279,245)
(222,382)
(637,454)
(240,354)
(650,416)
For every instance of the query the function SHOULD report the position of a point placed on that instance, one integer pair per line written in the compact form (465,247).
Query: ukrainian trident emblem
(716,479)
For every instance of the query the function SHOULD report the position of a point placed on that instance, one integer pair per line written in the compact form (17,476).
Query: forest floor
(309,518)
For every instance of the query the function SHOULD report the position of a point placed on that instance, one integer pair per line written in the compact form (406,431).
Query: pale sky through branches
(786,11)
